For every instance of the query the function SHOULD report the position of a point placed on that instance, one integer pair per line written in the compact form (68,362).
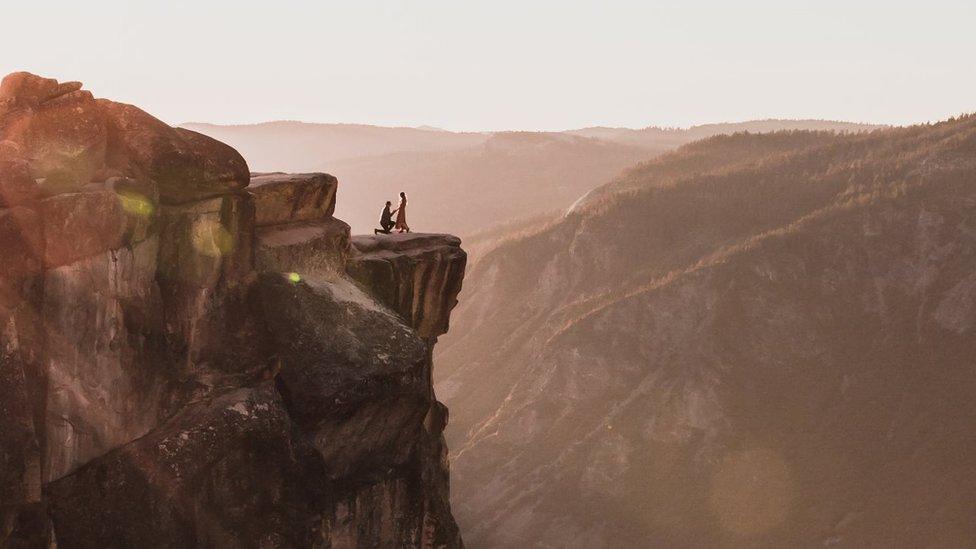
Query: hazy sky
(503,64)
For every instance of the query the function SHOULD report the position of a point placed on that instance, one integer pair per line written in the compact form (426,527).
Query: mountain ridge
(446,173)
(722,319)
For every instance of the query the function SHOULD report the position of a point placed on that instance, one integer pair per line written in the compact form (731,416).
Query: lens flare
(294,278)
(136,204)
(211,239)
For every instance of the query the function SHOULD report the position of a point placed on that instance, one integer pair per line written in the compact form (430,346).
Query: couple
(386,220)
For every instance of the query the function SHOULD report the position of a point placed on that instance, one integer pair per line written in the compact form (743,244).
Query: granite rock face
(286,198)
(303,246)
(16,184)
(72,139)
(296,230)
(183,362)
(416,275)
(186,165)
(224,472)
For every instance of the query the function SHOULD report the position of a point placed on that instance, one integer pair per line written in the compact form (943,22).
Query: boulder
(70,139)
(416,275)
(60,128)
(80,225)
(231,471)
(223,472)
(287,198)
(365,384)
(20,90)
(66,138)
(186,166)
(363,398)
(303,247)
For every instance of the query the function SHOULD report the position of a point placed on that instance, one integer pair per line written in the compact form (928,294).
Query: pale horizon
(502,66)
(429,127)
(536,274)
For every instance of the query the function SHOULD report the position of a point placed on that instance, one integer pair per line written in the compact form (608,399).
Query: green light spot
(294,278)
(211,239)
(136,204)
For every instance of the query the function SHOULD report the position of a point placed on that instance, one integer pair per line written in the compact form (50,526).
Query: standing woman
(401,222)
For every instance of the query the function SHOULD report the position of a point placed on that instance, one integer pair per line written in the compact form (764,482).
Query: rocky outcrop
(416,275)
(183,361)
(296,230)
(303,246)
(72,139)
(367,382)
(287,198)
(185,165)
(370,378)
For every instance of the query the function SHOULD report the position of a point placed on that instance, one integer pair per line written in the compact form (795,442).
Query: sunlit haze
(507,64)
(520,273)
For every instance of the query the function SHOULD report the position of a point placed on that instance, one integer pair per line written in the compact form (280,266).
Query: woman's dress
(401,220)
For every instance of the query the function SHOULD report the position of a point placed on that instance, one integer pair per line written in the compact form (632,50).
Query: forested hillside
(760,340)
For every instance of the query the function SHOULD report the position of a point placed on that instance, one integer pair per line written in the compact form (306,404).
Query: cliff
(184,360)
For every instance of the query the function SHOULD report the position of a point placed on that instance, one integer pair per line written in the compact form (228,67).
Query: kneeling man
(386,220)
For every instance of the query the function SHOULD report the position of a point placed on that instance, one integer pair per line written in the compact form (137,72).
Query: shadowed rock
(20,475)
(363,395)
(219,472)
(366,384)
(417,275)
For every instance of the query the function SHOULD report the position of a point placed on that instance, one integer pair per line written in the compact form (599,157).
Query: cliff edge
(192,355)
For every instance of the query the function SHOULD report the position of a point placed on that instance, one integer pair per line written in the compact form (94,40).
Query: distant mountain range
(303,147)
(464,183)
(751,341)
(675,137)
